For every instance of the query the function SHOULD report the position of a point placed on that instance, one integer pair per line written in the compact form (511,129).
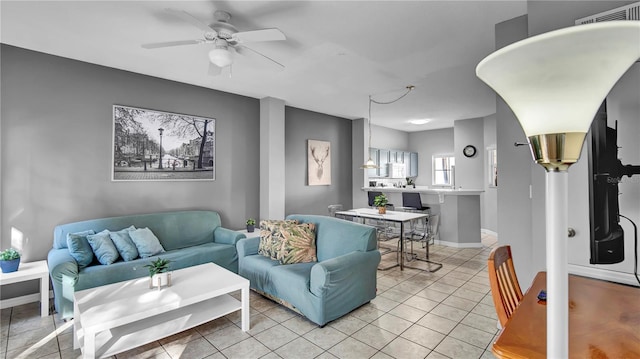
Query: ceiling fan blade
(259,35)
(190,19)
(214,70)
(155,45)
(249,52)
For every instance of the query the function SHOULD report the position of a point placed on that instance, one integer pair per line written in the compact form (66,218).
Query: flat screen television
(605,171)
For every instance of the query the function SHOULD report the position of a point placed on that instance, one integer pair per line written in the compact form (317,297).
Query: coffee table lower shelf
(132,335)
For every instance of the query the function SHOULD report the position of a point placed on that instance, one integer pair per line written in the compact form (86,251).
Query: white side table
(255,233)
(29,271)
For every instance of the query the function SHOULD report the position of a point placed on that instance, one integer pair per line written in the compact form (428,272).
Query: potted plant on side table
(251,225)
(381,201)
(159,273)
(9,260)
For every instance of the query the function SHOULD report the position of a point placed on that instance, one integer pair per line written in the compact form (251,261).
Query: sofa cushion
(270,237)
(256,269)
(223,255)
(298,244)
(79,247)
(125,246)
(146,242)
(103,247)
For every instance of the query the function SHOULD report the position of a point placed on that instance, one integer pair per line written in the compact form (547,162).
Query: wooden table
(604,322)
(396,217)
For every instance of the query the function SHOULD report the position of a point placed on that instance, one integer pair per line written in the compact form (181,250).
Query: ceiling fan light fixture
(221,56)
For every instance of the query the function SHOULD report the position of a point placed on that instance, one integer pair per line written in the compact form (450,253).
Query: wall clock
(469,151)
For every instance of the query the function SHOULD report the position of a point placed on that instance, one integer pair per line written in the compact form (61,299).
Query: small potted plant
(410,182)
(381,201)
(251,225)
(9,260)
(159,273)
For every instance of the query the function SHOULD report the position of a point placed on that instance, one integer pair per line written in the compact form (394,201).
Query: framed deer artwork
(319,162)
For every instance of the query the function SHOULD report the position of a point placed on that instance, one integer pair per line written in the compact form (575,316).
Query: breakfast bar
(459,212)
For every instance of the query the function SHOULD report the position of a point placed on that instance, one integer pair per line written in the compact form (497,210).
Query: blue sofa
(343,278)
(189,238)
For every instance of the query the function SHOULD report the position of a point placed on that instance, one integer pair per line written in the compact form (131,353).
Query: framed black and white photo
(151,145)
(319,162)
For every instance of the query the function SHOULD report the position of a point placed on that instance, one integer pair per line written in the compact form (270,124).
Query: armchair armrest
(248,246)
(63,270)
(226,236)
(341,275)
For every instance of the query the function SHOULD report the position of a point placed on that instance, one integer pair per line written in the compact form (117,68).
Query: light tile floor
(417,314)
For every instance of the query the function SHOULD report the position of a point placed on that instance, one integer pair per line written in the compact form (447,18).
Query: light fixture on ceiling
(419,121)
(370,164)
(220,55)
(555,83)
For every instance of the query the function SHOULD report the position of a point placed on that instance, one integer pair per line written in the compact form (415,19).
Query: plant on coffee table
(158,272)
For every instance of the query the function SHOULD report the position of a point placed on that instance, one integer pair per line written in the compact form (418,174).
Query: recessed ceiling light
(420,121)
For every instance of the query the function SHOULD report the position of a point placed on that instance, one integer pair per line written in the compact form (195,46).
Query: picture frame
(152,145)
(319,162)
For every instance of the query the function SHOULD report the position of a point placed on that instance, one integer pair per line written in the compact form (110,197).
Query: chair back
(333,208)
(505,288)
(372,195)
(412,200)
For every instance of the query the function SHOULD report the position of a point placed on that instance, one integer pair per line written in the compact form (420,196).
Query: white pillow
(146,242)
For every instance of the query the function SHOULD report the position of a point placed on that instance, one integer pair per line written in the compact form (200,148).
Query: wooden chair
(505,288)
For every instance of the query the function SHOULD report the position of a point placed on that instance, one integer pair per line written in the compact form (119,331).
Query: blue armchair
(343,278)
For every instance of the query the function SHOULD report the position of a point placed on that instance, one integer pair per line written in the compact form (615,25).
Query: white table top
(26,271)
(124,302)
(393,216)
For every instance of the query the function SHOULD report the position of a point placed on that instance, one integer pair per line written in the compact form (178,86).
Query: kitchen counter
(459,211)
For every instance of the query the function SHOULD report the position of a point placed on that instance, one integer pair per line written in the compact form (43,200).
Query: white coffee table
(121,316)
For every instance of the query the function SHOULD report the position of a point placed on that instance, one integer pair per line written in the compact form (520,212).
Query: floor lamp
(554,83)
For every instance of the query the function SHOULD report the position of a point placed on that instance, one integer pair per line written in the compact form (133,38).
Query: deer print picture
(319,162)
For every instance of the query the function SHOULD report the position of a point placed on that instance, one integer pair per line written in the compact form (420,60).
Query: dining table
(400,217)
(604,322)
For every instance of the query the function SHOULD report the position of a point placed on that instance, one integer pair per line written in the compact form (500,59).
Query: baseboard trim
(489,232)
(598,273)
(459,245)
(25,299)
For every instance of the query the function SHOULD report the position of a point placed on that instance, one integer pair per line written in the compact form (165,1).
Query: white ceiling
(337,53)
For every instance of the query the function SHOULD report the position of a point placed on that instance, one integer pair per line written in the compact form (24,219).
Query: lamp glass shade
(369,164)
(555,82)
(221,57)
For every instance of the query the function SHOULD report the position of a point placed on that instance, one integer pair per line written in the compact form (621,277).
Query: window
(443,170)
(493,166)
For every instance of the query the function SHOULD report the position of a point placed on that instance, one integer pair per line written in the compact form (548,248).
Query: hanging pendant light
(370,164)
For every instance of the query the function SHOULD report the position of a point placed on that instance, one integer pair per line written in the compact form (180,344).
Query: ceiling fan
(226,40)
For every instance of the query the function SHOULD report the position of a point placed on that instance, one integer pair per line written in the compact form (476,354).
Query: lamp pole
(160,159)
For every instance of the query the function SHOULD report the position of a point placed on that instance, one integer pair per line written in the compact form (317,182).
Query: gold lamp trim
(556,151)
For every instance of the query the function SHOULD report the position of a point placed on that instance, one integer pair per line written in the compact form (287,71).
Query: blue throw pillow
(103,247)
(79,247)
(124,244)
(147,243)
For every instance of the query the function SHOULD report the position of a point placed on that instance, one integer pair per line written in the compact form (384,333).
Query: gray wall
(390,139)
(300,126)
(57,140)
(469,170)
(514,173)
(427,144)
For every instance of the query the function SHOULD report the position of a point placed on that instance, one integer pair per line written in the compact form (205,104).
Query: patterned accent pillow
(270,236)
(298,243)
